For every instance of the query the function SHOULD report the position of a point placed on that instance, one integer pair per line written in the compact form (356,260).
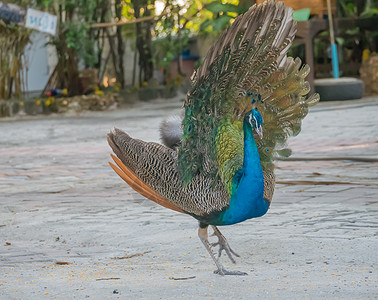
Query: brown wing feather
(139,186)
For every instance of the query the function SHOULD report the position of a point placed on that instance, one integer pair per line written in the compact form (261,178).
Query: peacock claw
(223,245)
(223,272)
(227,249)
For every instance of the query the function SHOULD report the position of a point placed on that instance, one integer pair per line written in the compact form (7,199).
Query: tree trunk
(134,66)
(73,74)
(149,67)
(143,41)
(179,54)
(68,69)
(120,46)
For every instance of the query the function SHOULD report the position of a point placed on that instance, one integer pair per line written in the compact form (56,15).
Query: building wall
(36,64)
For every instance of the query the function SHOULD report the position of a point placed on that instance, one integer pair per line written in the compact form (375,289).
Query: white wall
(39,62)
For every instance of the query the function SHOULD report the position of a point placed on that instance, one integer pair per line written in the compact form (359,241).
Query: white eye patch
(252,118)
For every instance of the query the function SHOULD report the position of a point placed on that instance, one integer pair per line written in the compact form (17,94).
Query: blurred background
(54,51)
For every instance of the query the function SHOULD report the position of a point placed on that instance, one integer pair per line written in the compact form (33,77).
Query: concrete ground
(70,228)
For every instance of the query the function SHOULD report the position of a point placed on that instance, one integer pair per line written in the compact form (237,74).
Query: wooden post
(335,62)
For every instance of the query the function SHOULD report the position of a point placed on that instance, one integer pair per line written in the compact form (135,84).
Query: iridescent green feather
(229,154)
(249,57)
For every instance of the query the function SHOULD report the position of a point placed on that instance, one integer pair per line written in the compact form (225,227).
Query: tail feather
(139,186)
(140,168)
(151,170)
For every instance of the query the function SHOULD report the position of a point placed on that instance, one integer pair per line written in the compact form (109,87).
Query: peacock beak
(259,131)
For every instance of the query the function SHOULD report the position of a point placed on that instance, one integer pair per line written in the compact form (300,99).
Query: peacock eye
(190,128)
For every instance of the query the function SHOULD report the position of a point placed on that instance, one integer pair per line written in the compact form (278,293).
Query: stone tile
(61,202)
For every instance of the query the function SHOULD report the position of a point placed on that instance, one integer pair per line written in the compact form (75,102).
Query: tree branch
(138,20)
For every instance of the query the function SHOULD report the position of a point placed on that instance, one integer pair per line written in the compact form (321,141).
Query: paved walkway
(70,228)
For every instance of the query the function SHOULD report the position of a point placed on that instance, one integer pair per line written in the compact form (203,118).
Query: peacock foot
(223,271)
(202,234)
(223,245)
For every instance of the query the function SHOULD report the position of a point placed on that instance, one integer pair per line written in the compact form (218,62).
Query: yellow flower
(99,93)
(365,55)
(38,102)
(49,101)
(21,103)
(117,87)
(65,92)
(145,83)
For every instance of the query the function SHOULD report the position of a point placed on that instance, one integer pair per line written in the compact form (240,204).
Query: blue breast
(247,200)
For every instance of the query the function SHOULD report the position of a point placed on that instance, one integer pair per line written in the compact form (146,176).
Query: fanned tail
(240,62)
(118,140)
(285,106)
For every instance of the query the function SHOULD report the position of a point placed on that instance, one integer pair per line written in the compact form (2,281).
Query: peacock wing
(150,169)
(245,57)
(285,106)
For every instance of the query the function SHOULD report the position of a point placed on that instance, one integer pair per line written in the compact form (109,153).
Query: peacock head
(254,118)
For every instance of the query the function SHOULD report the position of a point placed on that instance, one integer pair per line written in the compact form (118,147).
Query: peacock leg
(223,245)
(202,233)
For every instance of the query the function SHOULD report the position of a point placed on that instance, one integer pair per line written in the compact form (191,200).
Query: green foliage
(74,19)
(173,31)
(77,39)
(181,19)
(166,49)
(370,12)
(352,8)
(218,7)
(169,44)
(349,9)
(13,40)
(222,15)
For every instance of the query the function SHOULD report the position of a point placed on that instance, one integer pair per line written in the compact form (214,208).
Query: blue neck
(251,163)
(248,185)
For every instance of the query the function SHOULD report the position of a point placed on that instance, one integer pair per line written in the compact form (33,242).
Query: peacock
(246,99)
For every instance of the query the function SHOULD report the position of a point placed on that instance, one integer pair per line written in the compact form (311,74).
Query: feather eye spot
(190,128)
